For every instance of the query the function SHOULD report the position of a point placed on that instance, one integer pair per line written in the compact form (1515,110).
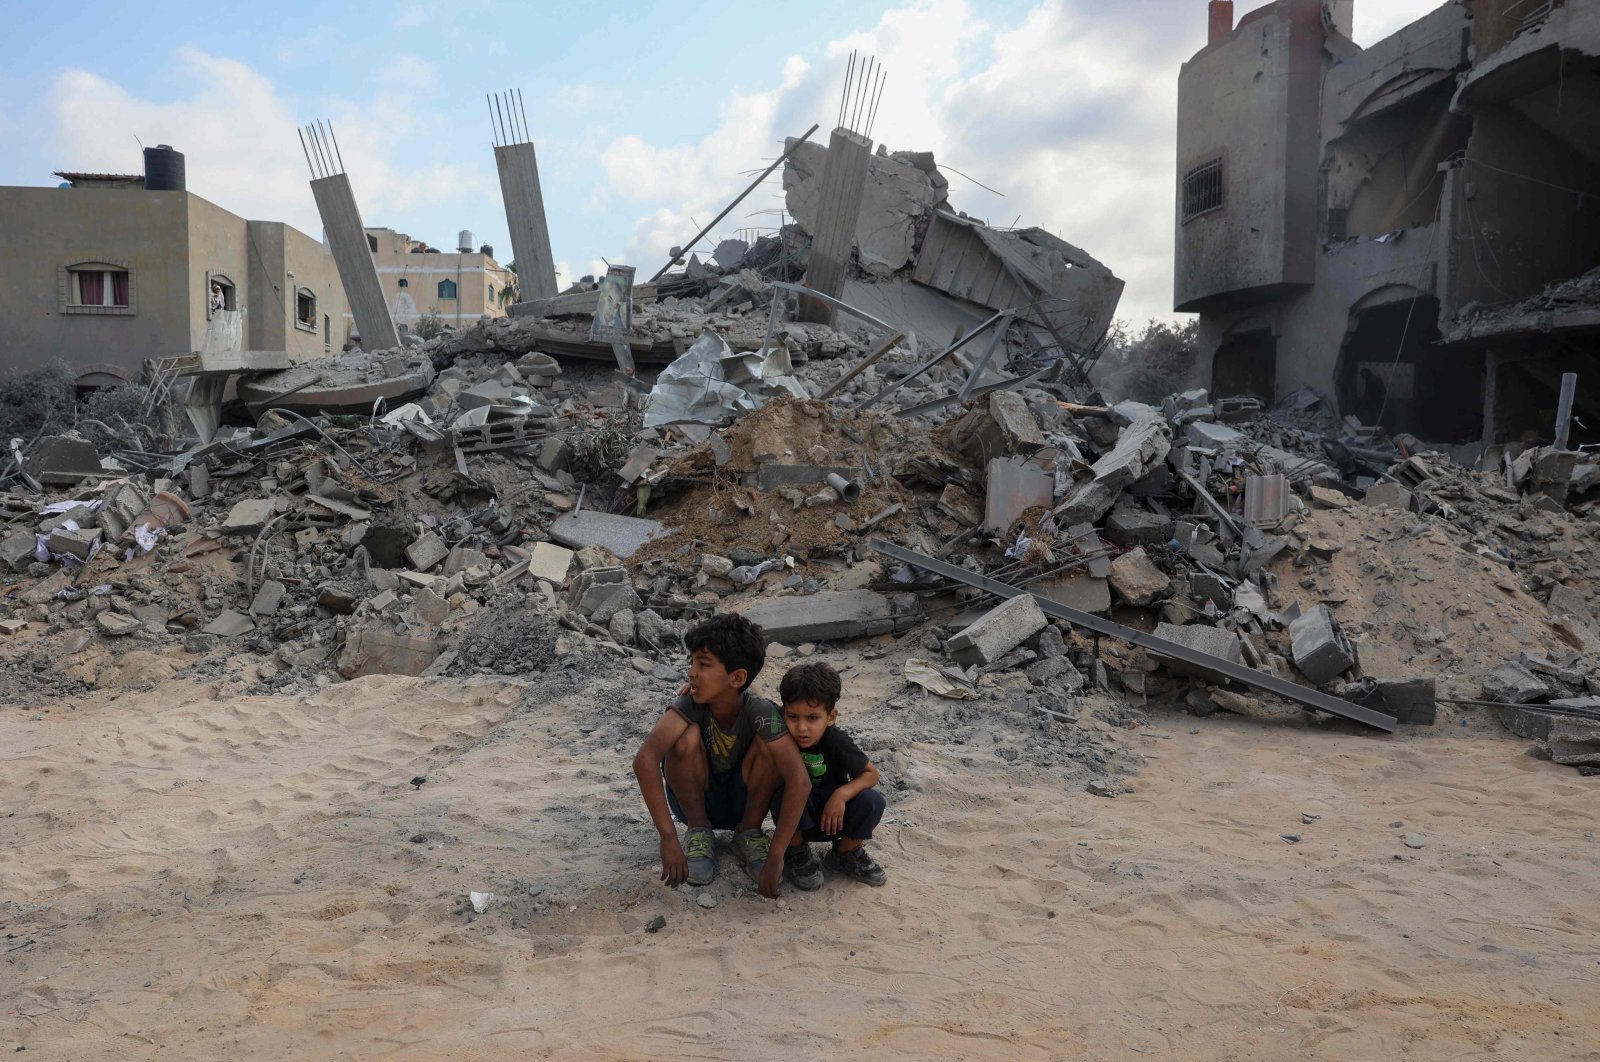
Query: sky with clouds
(647,119)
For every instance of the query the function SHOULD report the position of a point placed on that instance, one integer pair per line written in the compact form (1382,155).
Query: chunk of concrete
(247,517)
(115,624)
(997,632)
(1411,700)
(1512,683)
(427,551)
(832,615)
(1213,641)
(1009,426)
(1139,448)
(1087,503)
(62,459)
(17,550)
(1079,590)
(77,544)
(550,562)
(229,624)
(1391,495)
(1574,742)
(430,608)
(374,651)
(1136,527)
(1320,649)
(600,593)
(1210,435)
(1136,579)
(268,598)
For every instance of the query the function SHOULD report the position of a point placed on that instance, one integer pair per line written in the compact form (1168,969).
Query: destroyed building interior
(373,570)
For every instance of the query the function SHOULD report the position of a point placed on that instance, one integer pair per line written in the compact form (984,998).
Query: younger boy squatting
(725,755)
(843,805)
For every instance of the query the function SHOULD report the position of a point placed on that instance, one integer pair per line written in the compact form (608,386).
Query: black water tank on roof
(163,169)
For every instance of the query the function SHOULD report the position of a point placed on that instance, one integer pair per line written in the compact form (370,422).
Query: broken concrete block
(1139,448)
(1136,579)
(600,593)
(1575,742)
(1410,701)
(12,626)
(1136,527)
(1087,503)
(62,459)
(1209,435)
(1213,641)
(268,598)
(1567,602)
(550,562)
(1055,671)
(430,608)
(1010,427)
(373,651)
(1079,590)
(17,550)
(622,627)
(337,600)
(1512,683)
(1203,587)
(115,624)
(832,615)
(1013,487)
(490,393)
(427,551)
(1128,412)
(77,544)
(383,602)
(554,453)
(247,517)
(1320,649)
(1392,495)
(1328,498)
(998,632)
(229,624)
(461,558)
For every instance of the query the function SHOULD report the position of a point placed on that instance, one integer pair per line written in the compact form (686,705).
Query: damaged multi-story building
(1411,229)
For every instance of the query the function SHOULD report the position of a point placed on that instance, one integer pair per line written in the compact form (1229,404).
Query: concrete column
(844,182)
(530,235)
(347,239)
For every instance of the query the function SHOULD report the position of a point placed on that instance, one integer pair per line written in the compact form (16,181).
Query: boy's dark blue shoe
(699,851)
(860,865)
(804,868)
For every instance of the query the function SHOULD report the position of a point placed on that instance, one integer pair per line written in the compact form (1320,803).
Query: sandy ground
(188,875)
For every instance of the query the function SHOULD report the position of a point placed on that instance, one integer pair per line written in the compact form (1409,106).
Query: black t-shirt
(834,759)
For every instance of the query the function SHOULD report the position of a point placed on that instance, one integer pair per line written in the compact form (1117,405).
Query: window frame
(327,334)
(105,264)
(230,292)
(1210,195)
(298,323)
(454,295)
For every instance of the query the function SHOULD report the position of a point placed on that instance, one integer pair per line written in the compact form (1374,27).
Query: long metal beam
(1249,676)
(739,199)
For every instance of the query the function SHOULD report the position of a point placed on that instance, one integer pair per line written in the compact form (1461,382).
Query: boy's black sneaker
(860,865)
(804,868)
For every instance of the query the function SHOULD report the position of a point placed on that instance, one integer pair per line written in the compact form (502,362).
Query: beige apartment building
(109,270)
(459,286)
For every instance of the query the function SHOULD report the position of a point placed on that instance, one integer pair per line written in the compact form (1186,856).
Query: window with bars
(1203,190)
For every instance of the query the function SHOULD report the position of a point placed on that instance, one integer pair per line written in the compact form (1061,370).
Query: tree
(430,325)
(1148,366)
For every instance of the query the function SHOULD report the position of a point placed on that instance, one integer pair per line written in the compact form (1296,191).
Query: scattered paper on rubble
(710,384)
(938,680)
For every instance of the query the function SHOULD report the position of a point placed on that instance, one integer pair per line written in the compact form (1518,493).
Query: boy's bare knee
(687,747)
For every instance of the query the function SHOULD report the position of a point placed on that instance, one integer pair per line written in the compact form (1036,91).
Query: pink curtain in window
(119,289)
(91,287)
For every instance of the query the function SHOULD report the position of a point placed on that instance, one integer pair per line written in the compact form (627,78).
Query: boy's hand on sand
(674,864)
(771,875)
(833,816)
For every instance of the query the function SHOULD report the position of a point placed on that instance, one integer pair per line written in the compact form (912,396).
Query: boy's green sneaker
(752,847)
(860,865)
(699,849)
(804,868)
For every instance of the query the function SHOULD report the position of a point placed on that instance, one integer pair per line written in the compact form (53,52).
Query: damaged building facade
(110,270)
(1411,229)
(460,286)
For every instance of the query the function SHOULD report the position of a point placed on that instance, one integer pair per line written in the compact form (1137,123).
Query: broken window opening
(447,289)
(1392,372)
(305,309)
(1203,190)
(327,334)
(221,294)
(404,283)
(372,242)
(1246,364)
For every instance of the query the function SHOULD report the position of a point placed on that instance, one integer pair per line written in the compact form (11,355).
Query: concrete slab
(248,517)
(550,562)
(427,551)
(830,616)
(229,624)
(268,598)
(1080,591)
(1392,495)
(1014,487)
(1136,579)
(622,535)
(62,459)
(17,550)
(1320,649)
(77,544)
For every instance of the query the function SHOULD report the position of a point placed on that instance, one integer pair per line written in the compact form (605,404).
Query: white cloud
(239,135)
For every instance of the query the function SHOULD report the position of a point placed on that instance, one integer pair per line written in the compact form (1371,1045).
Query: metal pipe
(930,363)
(847,489)
(1569,390)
